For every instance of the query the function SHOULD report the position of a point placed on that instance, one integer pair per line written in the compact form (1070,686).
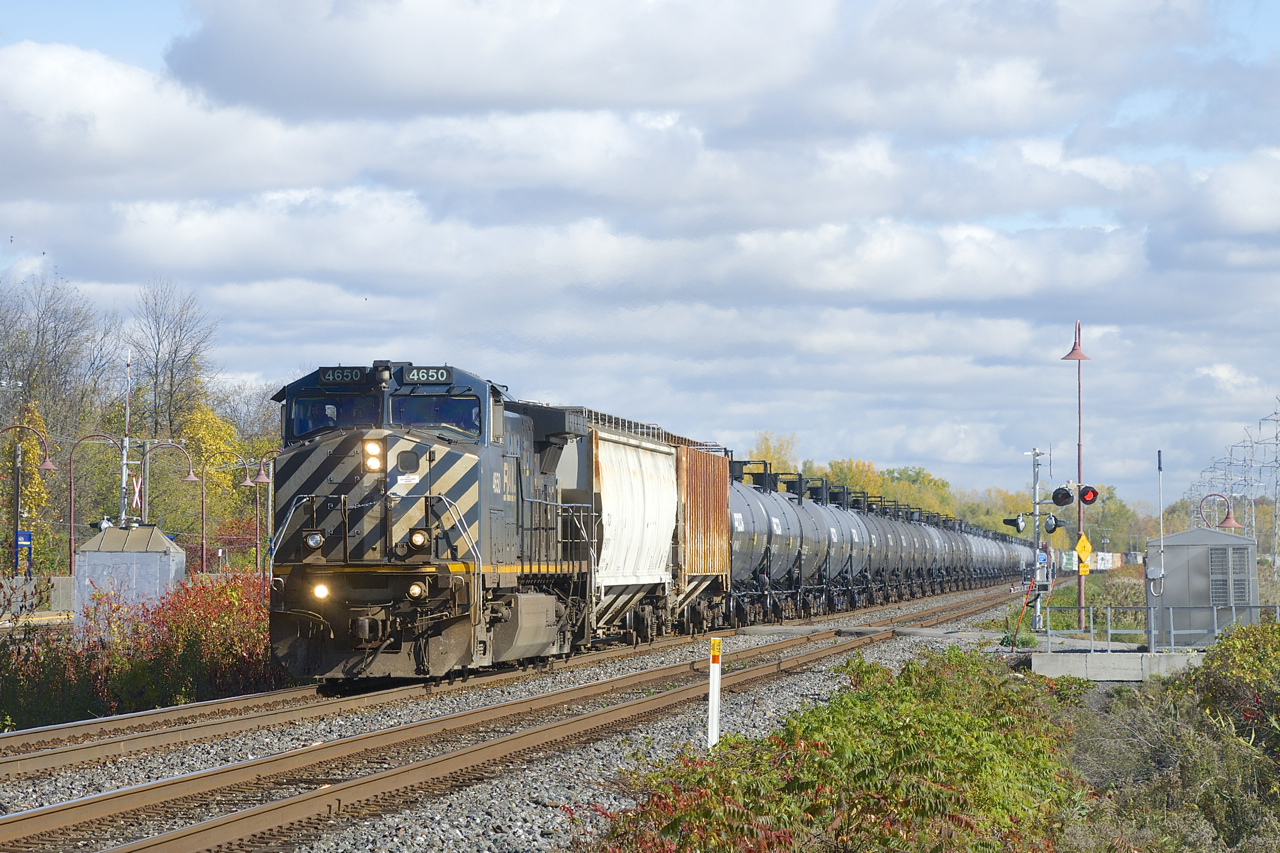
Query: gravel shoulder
(38,790)
(535,808)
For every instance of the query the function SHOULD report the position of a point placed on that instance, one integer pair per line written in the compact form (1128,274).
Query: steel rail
(115,738)
(50,819)
(60,815)
(333,799)
(104,725)
(969,606)
(125,744)
(844,614)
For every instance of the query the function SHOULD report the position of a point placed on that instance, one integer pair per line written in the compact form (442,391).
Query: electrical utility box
(133,565)
(1210,581)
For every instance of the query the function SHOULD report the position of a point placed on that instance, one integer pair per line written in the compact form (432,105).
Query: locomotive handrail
(275,539)
(574,511)
(478,567)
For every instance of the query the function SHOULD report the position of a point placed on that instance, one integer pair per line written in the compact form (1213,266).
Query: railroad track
(377,770)
(55,747)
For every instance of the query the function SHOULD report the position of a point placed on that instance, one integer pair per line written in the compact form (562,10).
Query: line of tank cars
(427,523)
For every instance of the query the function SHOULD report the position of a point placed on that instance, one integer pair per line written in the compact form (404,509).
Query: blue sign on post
(22,540)
(1042,557)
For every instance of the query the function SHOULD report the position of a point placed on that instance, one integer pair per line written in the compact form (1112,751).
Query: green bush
(1025,639)
(1239,681)
(954,753)
(1187,763)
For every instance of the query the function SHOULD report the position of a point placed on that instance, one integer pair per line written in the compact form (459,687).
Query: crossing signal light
(1051,524)
(1017,523)
(1088,494)
(1062,496)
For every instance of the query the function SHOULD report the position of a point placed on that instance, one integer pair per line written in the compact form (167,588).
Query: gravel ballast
(42,789)
(534,808)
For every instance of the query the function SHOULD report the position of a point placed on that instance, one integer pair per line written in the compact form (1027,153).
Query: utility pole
(17,502)
(146,478)
(124,445)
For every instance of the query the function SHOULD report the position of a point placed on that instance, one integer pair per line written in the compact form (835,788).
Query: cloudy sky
(873,224)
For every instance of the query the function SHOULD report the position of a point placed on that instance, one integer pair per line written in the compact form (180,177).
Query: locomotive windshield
(317,412)
(423,410)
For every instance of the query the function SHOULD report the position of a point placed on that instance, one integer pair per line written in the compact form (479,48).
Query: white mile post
(713,697)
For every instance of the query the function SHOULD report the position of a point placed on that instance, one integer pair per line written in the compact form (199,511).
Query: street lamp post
(71,498)
(1229,522)
(1077,355)
(191,473)
(264,478)
(204,470)
(46,465)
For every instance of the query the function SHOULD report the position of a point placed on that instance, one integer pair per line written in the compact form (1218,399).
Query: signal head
(1051,524)
(1088,494)
(1062,496)
(1017,523)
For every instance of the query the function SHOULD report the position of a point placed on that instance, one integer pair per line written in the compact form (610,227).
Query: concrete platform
(1114,666)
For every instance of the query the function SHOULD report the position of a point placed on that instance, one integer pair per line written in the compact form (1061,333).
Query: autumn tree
(857,475)
(776,449)
(172,338)
(55,348)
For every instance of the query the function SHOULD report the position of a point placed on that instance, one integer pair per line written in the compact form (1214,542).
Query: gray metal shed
(137,564)
(1210,579)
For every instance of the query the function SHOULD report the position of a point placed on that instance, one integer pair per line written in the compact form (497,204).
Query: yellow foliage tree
(35,496)
(858,475)
(778,450)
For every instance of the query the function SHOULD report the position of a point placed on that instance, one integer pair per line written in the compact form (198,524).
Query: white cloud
(869,222)
(1231,380)
(366,56)
(1244,197)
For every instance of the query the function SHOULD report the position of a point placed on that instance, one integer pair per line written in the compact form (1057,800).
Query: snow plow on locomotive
(427,523)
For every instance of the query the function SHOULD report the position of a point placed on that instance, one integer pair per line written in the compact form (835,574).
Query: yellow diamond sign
(1083,548)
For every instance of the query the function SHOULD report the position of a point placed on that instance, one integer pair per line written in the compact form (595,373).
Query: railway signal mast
(1050,524)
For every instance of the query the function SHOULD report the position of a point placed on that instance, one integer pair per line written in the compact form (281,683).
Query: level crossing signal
(1051,524)
(1062,496)
(1017,523)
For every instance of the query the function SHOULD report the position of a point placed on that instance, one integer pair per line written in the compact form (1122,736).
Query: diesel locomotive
(427,523)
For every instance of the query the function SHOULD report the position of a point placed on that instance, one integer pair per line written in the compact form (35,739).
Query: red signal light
(1088,494)
(1062,496)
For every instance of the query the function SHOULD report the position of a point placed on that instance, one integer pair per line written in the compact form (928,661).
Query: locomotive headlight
(374,452)
(417,590)
(418,538)
(320,591)
(314,539)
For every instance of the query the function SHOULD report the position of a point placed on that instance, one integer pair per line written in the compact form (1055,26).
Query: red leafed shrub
(206,639)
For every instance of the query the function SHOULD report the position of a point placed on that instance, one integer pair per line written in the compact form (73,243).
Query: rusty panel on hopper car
(704,516)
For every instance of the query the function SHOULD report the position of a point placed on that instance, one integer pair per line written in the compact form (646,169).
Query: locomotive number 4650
(428,375)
